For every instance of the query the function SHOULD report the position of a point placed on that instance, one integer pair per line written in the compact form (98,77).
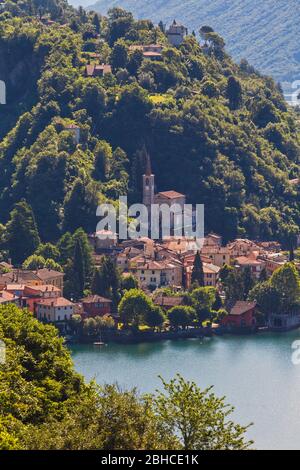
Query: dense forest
(217,131)
(266,32)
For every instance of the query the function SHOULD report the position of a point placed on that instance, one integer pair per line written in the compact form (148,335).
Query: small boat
(100,342)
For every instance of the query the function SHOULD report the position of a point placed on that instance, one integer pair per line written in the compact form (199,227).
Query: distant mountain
(265,32)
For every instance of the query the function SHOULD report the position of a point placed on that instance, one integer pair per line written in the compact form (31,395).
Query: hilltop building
(176,33)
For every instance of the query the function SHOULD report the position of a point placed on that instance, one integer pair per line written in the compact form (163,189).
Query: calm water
(254,372)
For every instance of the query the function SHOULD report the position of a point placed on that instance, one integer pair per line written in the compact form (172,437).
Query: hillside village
(163,270)
(171,273)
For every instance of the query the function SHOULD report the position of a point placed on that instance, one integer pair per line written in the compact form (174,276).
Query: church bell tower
(148,185)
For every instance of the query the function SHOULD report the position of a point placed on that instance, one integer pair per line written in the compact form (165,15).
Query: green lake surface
(255,373)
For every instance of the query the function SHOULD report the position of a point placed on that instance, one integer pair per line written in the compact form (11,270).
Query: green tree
(268,298)
(198,417)
(80,206)
(286,280)
(48,250)
(155,317)
(34,262)
(203,299)
(76,272)
(198,273)
(234,93)
(119,56)
(248,281)
(22,236)
(128,282)
(181,317)
(96,23)
(134,307)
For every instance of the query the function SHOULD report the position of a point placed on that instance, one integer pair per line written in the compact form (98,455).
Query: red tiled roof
(45,274)
(7,297)
(96,299)
(152,54)
(171,194)
(240,307)
(168,301)
(55,302)
(44,288)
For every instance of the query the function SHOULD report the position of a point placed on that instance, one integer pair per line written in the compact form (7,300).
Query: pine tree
(97,286)
(198,273)
(234,93)
(22,237)
(96,23)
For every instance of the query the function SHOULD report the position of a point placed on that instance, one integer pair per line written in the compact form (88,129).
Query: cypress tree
(198,273)
(78,271)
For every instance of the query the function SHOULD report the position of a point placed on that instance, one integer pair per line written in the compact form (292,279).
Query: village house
(150,51)
(8,298)
(96,306)
(241,315)
(176,33)
(33,294)
(211,271)
(242,247)
(152,274)
(252,261)
(212,239)
(54,310)
(218,255)
(20,276)
(97,70)
(51,277)
(181,245)
(273,261)
(103,241)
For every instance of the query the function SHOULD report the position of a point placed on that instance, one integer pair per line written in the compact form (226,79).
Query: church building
(169,198)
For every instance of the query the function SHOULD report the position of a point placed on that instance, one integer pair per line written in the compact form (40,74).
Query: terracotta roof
(45,274)
(95,299)
(247,261)
(7,297)
(168,301)
(14,287)
(171,194)
(240,307)
(55,302)
(152,54)
(44,288)
(21,276)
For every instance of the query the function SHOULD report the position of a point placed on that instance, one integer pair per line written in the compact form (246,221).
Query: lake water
(255,373)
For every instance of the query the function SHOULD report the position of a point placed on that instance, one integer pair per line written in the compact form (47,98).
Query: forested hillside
(265,32)
(215,131)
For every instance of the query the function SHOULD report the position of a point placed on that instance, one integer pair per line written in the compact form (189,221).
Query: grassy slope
(265,32)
